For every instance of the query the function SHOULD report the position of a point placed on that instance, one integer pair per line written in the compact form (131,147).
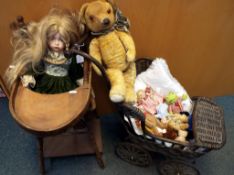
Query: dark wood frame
(4,87)
(92,143)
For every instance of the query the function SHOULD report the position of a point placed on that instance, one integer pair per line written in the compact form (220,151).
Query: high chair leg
(98,154)
(94,143)
(41,155)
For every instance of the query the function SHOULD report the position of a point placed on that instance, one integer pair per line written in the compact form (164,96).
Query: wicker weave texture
(208,124)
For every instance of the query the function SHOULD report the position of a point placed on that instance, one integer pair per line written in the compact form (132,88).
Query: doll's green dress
(59,74)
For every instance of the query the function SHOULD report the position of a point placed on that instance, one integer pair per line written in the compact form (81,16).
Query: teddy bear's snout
(106,22)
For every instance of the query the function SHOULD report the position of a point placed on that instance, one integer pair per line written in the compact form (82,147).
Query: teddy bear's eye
(109,11)
(91,18)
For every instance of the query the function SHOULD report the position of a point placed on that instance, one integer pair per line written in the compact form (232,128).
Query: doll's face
(56,43)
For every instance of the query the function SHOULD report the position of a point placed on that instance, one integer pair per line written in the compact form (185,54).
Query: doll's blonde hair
(30,43)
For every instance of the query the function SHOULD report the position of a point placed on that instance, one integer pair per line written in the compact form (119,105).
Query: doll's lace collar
(55,58)
(56,55)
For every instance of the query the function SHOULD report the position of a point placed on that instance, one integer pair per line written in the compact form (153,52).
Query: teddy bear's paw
(117,93)
(116,98)
(130,58)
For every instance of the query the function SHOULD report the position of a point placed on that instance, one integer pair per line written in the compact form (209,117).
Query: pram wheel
(176,168)
(133,154)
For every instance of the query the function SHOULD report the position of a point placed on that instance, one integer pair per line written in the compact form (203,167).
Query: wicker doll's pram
(208,131)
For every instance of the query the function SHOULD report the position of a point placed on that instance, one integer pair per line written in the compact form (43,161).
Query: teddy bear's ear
(82,13)
(112,3)
(81,17)
(81,26)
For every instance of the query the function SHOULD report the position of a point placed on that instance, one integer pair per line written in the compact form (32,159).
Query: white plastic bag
(159,78)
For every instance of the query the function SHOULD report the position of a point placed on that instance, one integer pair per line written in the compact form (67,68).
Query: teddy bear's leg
(117,92)
(181,136)
(129,77)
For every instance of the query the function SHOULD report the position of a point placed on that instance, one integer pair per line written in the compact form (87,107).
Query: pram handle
(77,51)
(131,111)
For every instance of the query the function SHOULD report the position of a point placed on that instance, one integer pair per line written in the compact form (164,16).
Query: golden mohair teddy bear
(179,122)
(112,48)
(154,126)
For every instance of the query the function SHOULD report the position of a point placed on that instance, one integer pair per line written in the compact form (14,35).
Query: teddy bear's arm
(95,53)
(128,43)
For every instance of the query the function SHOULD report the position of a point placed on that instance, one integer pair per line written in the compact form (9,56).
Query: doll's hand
(80,82)
(28,80)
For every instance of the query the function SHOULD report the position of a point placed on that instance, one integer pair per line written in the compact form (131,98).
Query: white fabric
(137,130)
(159,78)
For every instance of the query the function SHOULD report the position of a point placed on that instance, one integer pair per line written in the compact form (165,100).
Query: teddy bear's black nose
(106,22)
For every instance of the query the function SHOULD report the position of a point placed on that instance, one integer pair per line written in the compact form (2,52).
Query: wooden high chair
(60,119)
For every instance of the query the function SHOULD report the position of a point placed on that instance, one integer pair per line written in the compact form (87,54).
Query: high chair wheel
(133,154)
(172,167)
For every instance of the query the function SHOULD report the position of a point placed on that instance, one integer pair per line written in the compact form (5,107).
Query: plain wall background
(196,37)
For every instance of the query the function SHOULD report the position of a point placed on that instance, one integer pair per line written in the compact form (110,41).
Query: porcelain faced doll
(56,43)
(39,54)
